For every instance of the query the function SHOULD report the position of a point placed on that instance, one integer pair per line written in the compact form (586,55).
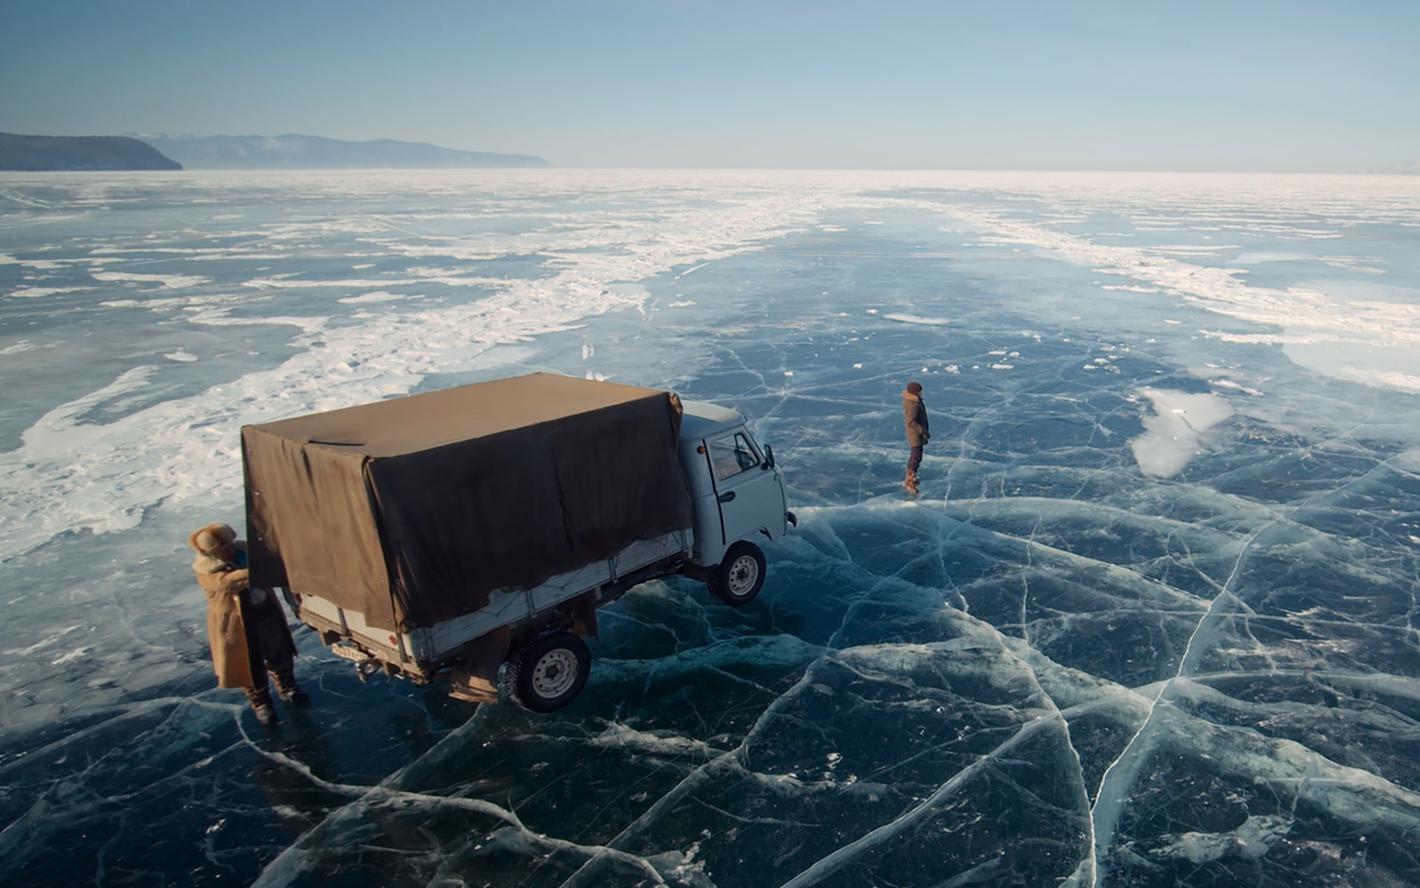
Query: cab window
(732,455)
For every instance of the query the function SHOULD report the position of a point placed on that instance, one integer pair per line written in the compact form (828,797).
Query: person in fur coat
(246,627)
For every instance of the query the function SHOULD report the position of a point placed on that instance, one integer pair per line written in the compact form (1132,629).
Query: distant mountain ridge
(39,153)
(294,151)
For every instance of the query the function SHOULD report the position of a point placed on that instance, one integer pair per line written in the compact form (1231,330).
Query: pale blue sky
(1196,85)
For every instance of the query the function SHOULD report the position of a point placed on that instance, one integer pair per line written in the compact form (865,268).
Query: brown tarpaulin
(413,510)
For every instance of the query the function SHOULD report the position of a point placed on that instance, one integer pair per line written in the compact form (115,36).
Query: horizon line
(756,169)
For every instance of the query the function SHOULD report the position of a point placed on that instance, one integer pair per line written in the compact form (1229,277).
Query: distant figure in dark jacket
(245,625)
(914,419)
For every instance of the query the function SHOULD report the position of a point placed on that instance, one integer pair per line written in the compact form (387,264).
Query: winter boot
(290,691)
(911,484)
(260,700)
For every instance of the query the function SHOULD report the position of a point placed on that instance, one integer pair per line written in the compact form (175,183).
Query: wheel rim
(555,673)
(744,573)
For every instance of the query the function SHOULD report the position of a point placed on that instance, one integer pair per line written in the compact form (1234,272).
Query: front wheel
(739,577)
(549,671)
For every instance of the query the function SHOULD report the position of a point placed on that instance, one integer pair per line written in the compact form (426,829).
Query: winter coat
(223,585)
(235,612)
(914,419)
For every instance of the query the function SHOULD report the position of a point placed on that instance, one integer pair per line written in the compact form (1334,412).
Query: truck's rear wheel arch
(548,671)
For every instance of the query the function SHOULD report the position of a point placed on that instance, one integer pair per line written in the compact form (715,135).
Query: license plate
(349,652)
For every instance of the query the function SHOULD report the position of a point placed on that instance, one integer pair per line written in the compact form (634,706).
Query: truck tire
(739,577)
(549,671)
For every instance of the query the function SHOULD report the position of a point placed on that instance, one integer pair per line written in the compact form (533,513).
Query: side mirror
(768,457)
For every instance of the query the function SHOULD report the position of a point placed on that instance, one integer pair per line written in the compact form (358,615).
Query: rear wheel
(549,671)
(740,576)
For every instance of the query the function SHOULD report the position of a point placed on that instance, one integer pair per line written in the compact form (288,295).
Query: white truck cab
(738,499)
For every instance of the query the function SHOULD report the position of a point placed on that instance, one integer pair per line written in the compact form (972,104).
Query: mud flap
(583,609)
(475,678)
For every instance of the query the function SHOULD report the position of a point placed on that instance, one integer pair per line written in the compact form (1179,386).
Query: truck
(442,535)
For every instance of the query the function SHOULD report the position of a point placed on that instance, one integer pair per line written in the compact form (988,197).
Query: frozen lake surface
(1152,622)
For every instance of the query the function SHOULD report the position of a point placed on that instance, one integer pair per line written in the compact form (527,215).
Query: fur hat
(915,387)
(208,539)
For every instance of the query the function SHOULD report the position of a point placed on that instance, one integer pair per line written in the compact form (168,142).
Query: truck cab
(738,500)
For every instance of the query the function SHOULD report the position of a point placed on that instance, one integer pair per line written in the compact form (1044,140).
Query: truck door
(749,492)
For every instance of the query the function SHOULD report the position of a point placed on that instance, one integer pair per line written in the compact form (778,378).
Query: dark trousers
(269,641)
(914,460)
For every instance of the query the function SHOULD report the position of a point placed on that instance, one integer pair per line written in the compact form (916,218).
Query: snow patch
(376,296)
(915,319)
(1235,386)
(167,281)
(1251,840)
(621,736)
(41,292)
(1172,436)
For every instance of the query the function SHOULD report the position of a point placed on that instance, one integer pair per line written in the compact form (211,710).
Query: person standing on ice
(246,627)
(914,419)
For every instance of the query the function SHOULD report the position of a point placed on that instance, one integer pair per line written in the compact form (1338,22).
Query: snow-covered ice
(1152,621)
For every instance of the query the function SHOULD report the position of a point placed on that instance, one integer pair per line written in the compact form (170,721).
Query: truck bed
(398,509)
(425,648)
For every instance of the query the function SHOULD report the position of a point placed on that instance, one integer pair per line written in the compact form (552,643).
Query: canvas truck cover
(414,509)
